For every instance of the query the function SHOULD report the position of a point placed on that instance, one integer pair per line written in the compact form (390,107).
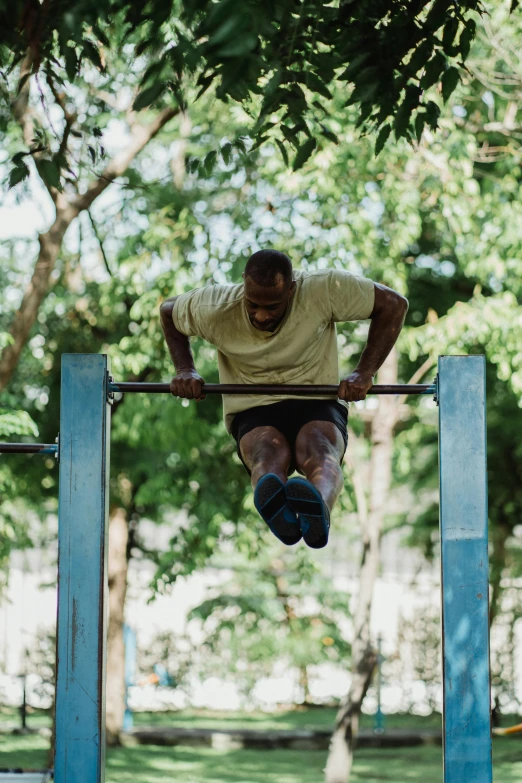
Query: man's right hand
(187,384)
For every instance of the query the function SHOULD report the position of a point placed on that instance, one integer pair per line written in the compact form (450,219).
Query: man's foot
(314,517)
(270,501)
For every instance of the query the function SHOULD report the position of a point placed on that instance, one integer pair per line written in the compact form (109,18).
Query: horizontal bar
(305,390)
(28,448)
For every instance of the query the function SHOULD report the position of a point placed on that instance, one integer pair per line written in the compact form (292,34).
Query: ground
(205,765)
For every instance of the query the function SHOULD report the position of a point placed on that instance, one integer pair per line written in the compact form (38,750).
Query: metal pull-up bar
(293,390)
(305,390)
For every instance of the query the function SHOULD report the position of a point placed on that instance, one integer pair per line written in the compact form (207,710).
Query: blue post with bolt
(82,570)
(464,562)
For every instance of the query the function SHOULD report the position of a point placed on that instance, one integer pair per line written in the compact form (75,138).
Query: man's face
(266,305)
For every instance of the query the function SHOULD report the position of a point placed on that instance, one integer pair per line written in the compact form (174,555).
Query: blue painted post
(464,553)
(82,570)
(129,640)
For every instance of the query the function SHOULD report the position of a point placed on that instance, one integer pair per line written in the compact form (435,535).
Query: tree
(279,609)
(274,58)
(400,219)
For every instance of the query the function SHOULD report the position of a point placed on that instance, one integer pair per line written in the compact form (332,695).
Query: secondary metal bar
(305,390)
(28,448)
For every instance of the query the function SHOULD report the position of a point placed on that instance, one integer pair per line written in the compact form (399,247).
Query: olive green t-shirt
(303,348)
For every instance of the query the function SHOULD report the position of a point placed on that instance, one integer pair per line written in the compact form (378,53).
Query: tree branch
(67,209)
(69,117)
(21,111)
(100,243)
(141,137)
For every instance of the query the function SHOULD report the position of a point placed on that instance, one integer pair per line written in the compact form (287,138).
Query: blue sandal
(270,501)
(305,501)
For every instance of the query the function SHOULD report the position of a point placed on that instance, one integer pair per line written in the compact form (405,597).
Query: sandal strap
(275,504)
(307,507)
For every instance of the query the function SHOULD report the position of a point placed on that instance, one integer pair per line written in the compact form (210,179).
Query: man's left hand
(355,386)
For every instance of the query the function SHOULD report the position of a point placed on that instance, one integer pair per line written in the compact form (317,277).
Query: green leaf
(264,128)
(319,106)
(433,70)
(450,79)
(148,96)
(420,57)
(365,111)
(448,36)
(437,15)
(420,122)
(239,47)
(192,165)
(274,82)
(100,35)
(466,37)
(142,46)
(258,142)
(209,162)
(226,152)
(97,132)
(432,115)
(354,67)
(363,93)
(18,174)
(367,75)
(205,82)
(92,153)
(49,172)
(71,63)
(403,116)
(329,134)
(282,150)
(314,83)
(303,153)
(91,53)
(22,81)
(18,159)
(290,135)
(382,138)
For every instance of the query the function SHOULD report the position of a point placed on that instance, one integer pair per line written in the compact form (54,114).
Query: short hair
(265,266)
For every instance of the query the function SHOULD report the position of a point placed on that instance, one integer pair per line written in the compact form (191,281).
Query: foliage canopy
(280,59)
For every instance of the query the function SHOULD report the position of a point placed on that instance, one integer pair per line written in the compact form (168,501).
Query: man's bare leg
(265,450)
(318,452)
(266,453)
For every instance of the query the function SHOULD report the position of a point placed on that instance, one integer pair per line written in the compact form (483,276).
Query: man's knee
(264,443)
(317,444)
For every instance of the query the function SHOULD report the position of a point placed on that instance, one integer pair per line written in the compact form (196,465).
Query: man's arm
(388,314)
(186,383)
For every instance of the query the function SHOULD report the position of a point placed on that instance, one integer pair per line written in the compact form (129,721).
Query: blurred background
(214,626)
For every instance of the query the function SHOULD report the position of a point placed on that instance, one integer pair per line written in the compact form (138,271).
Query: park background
(239,622)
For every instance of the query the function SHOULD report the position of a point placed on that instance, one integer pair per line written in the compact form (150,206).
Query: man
(279,327)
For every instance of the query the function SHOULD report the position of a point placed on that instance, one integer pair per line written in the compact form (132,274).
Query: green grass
(298,718)
(153,764)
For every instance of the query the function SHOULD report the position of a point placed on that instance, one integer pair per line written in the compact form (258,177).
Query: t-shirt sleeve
(192,313)
(351,297)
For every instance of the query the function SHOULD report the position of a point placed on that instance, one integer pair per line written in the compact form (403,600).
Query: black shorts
(289,416)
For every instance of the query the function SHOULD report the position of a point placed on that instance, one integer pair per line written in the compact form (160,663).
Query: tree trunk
(117,570)
(364,655)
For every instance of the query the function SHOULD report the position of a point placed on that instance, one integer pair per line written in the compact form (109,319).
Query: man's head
(268,288)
